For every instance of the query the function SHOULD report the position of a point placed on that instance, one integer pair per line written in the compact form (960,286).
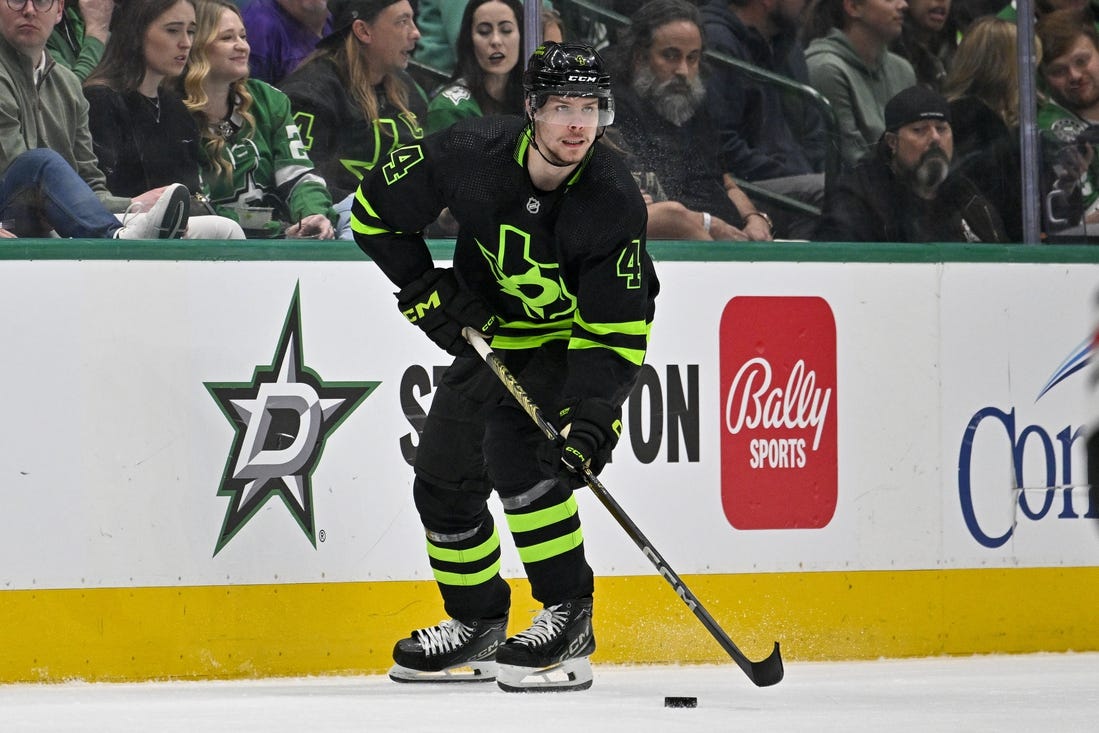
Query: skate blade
(570,675)
(470,672)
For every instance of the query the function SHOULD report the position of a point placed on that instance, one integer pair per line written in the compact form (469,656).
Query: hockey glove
(441,308)
(590,429)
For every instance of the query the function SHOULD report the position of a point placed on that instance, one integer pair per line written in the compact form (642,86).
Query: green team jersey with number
(1061,126)
(342,143)
(270,165)
(565,265)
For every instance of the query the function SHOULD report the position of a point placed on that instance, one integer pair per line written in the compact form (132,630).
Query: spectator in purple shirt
(282,33)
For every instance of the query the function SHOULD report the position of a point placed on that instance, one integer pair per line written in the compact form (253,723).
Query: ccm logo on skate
(576,646)
(778,413)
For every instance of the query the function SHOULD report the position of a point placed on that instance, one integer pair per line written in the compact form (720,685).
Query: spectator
(767,136)
(983,90)
(928,40)
(41,106)
(851,65)
(903,191)
(253,160)
(79,39)
(353,100)
(488,78)
(40,191)
(143,135)
(662,120)
(1070,70)
(282,33)
(553,27)
(440,21)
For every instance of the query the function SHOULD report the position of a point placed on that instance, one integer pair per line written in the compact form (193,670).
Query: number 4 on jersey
(629,265)
(401,161)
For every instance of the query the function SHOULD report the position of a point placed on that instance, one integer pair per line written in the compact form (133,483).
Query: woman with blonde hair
(254,164)
(983,90)
(353,100)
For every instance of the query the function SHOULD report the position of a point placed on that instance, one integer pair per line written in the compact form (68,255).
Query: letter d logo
(778,413)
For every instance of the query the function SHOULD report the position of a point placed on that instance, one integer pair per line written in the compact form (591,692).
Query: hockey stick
(763,673)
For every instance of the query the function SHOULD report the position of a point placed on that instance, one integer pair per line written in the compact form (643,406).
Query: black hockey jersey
(568,264)
(341,142)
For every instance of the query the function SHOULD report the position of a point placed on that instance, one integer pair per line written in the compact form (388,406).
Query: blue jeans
(41,182)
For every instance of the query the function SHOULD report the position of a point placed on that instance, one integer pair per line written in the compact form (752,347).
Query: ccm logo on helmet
(578,77)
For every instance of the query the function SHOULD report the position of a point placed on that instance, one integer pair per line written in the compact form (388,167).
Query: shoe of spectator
(167,219)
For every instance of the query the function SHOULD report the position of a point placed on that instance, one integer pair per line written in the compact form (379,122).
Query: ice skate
(552,655)
(452,651)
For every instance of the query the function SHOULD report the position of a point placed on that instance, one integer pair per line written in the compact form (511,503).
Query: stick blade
(769,671)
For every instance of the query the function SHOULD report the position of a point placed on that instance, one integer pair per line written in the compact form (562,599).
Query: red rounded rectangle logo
(779,466)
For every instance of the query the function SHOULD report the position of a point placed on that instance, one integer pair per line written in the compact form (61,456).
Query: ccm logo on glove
(591,429)
(442,308)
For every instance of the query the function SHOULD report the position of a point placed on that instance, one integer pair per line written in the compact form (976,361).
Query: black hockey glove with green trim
(591,429)
(442,308)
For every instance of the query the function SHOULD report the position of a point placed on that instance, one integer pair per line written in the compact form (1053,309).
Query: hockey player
(550,258)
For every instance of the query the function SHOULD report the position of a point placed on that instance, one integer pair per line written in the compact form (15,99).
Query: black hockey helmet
(568,70)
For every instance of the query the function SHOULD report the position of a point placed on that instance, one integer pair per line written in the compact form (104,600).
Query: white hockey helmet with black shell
(568,70)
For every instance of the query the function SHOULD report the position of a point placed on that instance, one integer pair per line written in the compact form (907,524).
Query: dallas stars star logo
(282,419)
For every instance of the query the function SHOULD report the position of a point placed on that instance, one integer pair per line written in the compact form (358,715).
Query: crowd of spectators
(263,115)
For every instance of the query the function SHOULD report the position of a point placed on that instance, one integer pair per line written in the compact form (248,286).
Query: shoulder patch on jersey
(456,94)
(1066,129)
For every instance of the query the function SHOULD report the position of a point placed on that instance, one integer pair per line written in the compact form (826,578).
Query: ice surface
(1050,693)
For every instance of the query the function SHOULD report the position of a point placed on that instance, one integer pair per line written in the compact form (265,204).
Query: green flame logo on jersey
(536,284)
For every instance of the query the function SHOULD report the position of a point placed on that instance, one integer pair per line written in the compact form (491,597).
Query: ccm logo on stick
(778,413)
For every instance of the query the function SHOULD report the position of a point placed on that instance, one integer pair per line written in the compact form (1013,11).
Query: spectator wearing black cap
(904,191)
(352,98)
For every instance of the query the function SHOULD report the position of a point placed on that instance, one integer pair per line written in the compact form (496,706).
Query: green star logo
(282,419)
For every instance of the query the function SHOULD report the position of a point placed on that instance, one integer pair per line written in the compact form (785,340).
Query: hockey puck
(681,702)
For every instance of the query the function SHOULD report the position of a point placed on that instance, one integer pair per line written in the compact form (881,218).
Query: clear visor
(576,111)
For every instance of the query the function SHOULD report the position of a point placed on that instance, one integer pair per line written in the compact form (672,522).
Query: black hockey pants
(477,438)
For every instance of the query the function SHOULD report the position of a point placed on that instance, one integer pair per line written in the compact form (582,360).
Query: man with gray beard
(904,191)
(666,131)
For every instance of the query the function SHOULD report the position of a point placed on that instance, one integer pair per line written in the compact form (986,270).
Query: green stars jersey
(270,165)
(453,103)
(342,143)
(1060,127)
(564,265)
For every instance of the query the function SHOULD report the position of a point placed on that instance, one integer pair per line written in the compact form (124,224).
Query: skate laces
(444,637)
(546,625)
